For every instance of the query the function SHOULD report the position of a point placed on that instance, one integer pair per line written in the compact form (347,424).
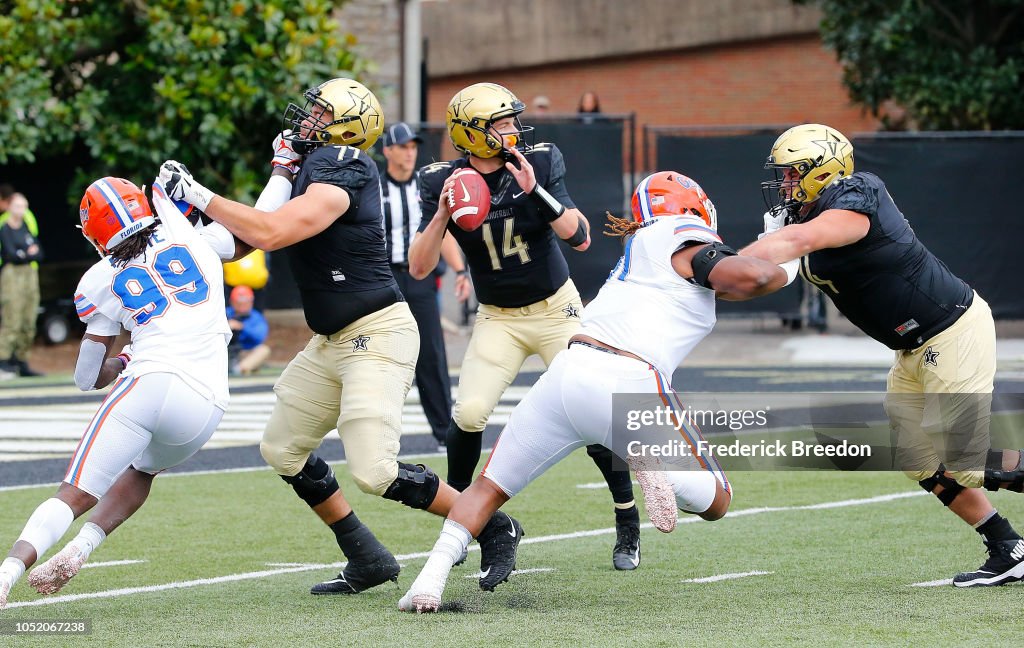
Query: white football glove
(284,153)
(180,185)
(774,220)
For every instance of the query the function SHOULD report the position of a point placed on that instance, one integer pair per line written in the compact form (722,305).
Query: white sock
(694,489)
(449,547)
(90,537)
(12,569)
(48,523)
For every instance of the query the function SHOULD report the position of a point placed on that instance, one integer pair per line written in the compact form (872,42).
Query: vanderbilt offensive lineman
(667,280)
(356,371)
(857,248)
(528,304)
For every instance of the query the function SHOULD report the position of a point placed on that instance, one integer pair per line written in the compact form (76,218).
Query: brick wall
(782,81)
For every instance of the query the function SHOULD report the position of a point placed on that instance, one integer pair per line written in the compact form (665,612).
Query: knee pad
(315,482)
(416,486)
(950,488)
(995,476)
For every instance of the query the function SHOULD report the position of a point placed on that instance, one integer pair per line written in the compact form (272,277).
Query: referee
(400,188)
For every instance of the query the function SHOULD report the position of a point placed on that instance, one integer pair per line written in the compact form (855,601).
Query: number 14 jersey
(171,300)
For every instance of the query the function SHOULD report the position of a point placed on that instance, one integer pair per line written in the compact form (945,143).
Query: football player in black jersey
(857,248)
(528,304)
(355,373)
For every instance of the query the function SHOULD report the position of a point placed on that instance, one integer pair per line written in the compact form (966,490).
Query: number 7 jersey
(171,300)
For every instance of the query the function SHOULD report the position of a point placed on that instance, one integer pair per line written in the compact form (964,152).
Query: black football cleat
(1005,564)
(359,576)
(498,543)
(626,554)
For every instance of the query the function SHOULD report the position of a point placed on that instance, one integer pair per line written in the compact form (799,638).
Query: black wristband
(555,208)
(579,237)
(461,273)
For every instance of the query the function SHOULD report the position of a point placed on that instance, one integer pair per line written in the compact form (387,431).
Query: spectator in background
(6,191)
(589,106)
(541,105)
(402,215)
(19,288)
(247,351)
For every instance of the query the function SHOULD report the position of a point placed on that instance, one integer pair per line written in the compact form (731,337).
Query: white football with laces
(469,201)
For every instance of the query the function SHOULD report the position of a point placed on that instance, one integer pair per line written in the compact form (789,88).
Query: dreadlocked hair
(133,246)
(621,227)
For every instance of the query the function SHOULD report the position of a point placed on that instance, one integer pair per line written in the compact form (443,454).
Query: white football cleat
(5,590)
(659,498)
(52,575)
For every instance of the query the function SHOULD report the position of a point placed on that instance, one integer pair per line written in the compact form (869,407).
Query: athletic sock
(47,524)
(11,569)
(355,538)
(88,539)
(627,516)
(463,455)
(996,529)
(619,481)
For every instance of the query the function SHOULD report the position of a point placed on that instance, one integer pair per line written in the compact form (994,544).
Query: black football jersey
(514,256)
(887,283)
(343,272)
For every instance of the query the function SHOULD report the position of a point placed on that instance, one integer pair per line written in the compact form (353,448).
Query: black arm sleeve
(704,262)
(556,179)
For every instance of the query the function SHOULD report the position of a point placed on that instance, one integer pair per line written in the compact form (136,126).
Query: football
(469,200)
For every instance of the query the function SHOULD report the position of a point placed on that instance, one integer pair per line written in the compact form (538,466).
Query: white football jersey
(645,307)
(171,300)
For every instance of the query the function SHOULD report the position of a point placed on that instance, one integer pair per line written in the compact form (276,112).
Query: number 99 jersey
(171,300)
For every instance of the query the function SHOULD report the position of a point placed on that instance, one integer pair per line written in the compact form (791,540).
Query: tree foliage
(952,64)
(136,82)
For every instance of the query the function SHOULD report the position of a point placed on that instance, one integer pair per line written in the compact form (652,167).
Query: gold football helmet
(356,117)
(473,110)
(820,155)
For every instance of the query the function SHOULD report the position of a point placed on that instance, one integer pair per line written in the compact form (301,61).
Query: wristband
(579,237)
(556,208)
(125,359)
(461,273)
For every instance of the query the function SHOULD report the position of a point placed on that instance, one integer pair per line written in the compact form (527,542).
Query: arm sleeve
(254,330)
(219,239)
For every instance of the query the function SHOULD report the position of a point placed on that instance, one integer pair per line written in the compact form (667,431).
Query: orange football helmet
(668,193)
(113,209)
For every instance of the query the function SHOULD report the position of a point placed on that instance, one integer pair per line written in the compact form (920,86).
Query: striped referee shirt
(401,215)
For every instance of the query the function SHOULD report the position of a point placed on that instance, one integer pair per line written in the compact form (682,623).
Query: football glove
(180,185)
(284,153)
(774,220)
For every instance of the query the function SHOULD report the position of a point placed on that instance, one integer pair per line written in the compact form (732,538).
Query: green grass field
(839,574)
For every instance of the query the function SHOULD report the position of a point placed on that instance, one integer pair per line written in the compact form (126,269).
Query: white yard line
(517,572)
(112,563)
(935,583)
(722,577)
(413,556)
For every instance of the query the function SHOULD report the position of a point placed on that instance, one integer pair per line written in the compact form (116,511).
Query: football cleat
(425,593)
(359,576)
(1005,564)
(5,590)
(52,575)
(659,498)
(626,554)
(498,543)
